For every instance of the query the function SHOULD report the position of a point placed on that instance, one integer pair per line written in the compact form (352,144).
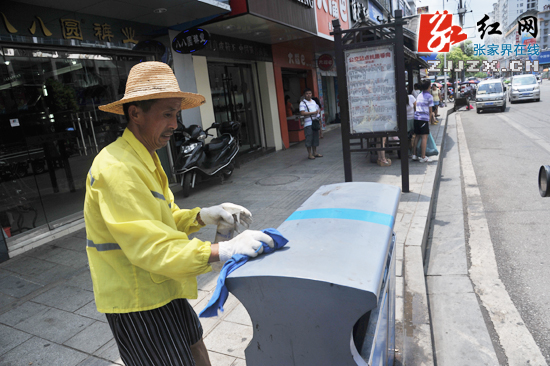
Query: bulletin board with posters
(370,63)
(371,89)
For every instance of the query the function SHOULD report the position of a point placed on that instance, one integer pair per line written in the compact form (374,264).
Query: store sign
(327,11)
(234,48)
(19,19)
(375,14)
(190,40)
(325,62)
(308,3)
(371,89)
(544,57)
(358,8)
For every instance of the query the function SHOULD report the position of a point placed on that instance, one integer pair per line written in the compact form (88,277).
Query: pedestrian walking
(310,110)
(422,116)
(142,262)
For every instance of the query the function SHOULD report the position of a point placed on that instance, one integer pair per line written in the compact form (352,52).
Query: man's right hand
(248,242)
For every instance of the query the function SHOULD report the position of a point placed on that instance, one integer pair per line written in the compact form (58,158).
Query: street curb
(417,329)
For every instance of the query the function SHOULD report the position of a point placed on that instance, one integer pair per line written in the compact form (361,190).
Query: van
(491,94)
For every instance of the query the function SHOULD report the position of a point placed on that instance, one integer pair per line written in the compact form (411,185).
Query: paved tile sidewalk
(47,311)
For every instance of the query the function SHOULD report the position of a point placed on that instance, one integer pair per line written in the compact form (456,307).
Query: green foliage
(456,54)
(468,48)
(480,75)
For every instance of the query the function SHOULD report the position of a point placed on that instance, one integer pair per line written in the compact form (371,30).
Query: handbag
(315,124)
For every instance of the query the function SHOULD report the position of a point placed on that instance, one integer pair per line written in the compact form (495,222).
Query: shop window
(233,97)
(51,130)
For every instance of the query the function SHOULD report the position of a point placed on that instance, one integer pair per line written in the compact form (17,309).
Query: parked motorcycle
(451,95)
(198,161)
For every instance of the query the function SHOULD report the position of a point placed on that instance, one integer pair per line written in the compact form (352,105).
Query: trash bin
(328,297)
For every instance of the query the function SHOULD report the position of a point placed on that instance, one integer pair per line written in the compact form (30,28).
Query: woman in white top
(411,107)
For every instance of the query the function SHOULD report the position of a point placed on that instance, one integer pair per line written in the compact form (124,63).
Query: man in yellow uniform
(142,262)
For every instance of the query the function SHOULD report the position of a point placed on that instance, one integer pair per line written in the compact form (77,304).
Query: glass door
(58,130)
(232,89)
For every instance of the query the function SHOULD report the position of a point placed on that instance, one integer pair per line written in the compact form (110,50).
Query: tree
(456,55)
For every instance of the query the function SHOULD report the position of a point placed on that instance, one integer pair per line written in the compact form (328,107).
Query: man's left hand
(224,212)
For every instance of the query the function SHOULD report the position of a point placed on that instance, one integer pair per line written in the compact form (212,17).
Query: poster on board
(371,89)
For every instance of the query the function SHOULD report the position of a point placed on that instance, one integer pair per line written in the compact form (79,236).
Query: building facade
(60,62)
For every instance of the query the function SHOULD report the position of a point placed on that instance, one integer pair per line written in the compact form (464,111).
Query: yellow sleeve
(186,220)
(133,217)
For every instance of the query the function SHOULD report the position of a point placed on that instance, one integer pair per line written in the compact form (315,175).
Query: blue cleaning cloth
(220,293)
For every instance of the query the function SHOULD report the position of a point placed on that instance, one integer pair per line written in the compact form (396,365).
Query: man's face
(158,124)
(308,95)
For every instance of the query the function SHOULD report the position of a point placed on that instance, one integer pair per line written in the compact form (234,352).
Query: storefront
(54,73)
(328,87)
(229,78)
(51,130)
(294,70)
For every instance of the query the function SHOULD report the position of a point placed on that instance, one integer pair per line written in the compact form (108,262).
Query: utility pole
(444,68)
(461,12)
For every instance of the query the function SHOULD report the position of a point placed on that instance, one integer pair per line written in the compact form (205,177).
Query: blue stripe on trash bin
(345,214)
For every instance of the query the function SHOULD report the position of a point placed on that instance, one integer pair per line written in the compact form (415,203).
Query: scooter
(198,161)
(451,95)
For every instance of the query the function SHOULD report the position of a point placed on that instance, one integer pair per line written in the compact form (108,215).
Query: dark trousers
(158,337)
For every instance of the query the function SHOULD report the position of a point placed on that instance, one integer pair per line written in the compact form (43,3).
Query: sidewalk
(47,312)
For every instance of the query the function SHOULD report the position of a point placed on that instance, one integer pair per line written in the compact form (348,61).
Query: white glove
(241,214)
(248,242)
(224,212)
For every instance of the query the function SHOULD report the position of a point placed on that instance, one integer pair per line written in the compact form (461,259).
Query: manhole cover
(277,180)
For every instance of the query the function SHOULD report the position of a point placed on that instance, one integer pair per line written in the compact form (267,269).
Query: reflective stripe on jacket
(138,247)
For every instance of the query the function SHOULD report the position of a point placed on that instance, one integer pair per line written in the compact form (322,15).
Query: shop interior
(51,130)
(294,83)
(233,97)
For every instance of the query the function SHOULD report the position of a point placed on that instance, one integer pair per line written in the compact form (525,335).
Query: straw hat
(152,80)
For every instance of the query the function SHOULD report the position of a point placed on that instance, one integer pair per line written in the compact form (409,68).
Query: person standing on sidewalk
(416,90)
(422,116)
(436,94)
(143,265)
(411,108)
(309,109)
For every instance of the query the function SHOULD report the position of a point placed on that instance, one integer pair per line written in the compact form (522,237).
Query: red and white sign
(325,62)
(436,32)
(327,11)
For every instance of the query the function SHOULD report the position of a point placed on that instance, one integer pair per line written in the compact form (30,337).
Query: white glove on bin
(224,212)
(248,243)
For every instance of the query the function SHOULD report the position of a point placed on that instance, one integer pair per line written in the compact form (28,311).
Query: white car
(524,87)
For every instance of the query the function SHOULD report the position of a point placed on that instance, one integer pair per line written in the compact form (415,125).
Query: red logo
(436,33)
(325,62)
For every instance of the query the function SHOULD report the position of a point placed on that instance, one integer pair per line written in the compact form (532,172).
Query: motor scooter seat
(216,144)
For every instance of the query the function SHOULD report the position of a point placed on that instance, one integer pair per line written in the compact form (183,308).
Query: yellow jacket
(139,253)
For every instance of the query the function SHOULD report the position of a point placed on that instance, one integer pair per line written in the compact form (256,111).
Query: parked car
(491,94)
(524,87)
